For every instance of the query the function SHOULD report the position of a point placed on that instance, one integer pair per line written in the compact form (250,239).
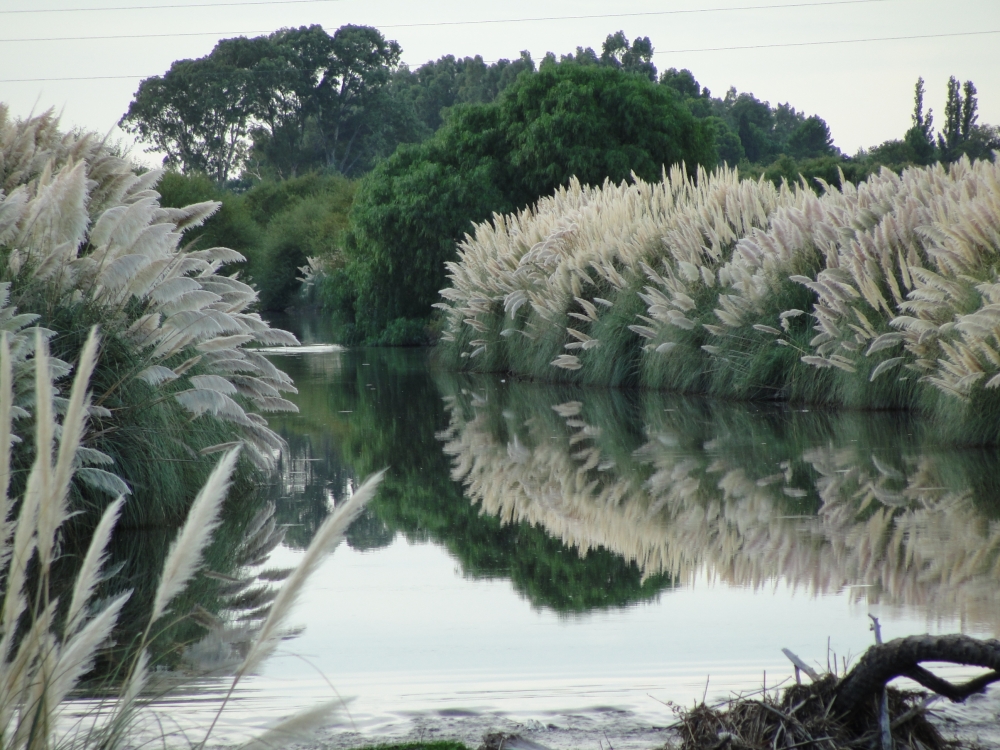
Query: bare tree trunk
(902,658)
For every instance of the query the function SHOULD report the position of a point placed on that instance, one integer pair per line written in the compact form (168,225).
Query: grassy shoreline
(881,295)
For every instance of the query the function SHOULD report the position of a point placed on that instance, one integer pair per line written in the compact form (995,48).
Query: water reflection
(746,494)
(214,618)
(361,411)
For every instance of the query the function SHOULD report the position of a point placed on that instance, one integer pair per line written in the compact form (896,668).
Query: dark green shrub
(593,122)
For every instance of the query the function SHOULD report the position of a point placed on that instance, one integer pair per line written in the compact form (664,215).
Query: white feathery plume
(185,553)
(295,728)
(136,681)
(76,657)
(90,572)
(27,521)
(6,404)
(327,537)
(74,423)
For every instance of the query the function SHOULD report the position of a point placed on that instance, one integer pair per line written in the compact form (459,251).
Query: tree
(969,106)
(199,114)
(435,87)
(920,136)
(339,113)
(637,58)
(754,122)
(295,100)
(962,135)
(594,122)
(951,136)
(684,83)
(811,139)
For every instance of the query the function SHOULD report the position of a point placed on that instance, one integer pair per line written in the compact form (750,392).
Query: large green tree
(295,100)
(748,129)
(436,86)
(592,122)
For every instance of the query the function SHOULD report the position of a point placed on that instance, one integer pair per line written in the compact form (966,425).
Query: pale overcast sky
(864,90)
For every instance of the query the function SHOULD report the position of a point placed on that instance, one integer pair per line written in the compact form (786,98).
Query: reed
(84,241)
(48,643)
(876,295)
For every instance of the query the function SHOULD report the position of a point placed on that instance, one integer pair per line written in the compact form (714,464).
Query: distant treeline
(326,147)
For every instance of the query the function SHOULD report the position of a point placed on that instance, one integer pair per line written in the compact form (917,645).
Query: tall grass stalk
(84,240)
(47,645)
(876,295)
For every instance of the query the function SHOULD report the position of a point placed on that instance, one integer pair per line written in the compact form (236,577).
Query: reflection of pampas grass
(681,504)
(875,295)
(43,653)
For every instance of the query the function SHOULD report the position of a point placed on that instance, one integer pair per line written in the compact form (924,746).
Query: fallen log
(902,657)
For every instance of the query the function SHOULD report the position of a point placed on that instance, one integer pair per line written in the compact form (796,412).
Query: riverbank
(879,295)
(968,725)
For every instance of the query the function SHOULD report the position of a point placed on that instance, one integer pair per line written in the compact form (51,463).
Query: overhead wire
(681,11)
(773,6)
(253,3)
(658,52)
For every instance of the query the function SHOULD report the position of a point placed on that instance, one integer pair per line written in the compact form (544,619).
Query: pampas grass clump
(49,639)
(83,240)
(879,295)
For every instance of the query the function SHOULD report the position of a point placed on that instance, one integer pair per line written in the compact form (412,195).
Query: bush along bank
(84,241)
(880,295)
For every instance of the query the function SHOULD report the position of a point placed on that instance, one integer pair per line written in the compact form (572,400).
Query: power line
(251,3)
(159,7)
(822,3)
(639,13)
(838,41)
(661,52)
(133,36)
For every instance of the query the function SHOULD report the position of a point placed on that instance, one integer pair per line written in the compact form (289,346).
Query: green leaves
(588,121)
(285,103)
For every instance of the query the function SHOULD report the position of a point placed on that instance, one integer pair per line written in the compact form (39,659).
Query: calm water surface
(573,559)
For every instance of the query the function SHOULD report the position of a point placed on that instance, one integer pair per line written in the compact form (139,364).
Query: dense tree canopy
(296,100)
(435,87)
(750,129)
(592,122)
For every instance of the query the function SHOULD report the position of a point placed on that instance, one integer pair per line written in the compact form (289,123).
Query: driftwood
(902,658)
(799,716)
(856,711)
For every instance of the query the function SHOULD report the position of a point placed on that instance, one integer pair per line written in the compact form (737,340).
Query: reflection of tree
(747,494)
(310,477)
(380,408)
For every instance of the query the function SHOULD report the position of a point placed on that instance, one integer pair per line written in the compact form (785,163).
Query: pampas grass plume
(185,553)
(326,539)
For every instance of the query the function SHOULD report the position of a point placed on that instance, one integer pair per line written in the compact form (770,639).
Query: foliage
(84,241)
(437,86)
(303,221)
(284,104)
(595,123)
(751,130)
(50,642)
(279,226)
(231,226)
(878,295)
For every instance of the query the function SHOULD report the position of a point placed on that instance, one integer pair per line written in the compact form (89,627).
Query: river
(572,562)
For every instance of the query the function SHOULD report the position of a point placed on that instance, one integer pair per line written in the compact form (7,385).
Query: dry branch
(902,658)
